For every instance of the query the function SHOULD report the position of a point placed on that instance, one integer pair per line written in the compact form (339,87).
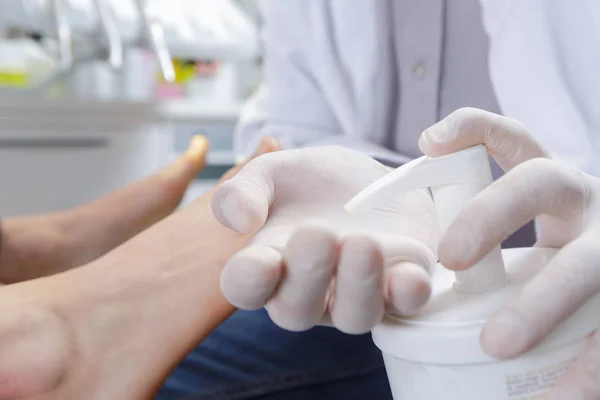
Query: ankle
(37,348)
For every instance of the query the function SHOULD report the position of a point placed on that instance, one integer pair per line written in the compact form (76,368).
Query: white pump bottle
(436,354)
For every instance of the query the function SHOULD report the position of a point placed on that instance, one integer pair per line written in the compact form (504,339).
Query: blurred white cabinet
(55,155)
(215,121)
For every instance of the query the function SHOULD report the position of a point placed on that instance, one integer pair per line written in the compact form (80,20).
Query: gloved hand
(310,262)
(565,203)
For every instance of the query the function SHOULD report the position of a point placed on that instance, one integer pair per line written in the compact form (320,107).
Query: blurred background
(96,94)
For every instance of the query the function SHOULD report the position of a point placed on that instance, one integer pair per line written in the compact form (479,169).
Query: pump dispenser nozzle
(454,180)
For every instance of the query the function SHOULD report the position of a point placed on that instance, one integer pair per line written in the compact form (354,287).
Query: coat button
(419,70)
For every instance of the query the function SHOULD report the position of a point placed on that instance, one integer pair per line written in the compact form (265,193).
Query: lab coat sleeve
(290,104)
(543,64)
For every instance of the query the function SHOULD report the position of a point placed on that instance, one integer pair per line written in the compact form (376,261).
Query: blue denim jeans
(249,357)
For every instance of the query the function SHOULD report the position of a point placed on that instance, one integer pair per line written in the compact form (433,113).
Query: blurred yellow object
(19,79)
(184,71)
(24,64)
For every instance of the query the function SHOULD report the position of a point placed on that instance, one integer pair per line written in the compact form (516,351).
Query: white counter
(58,154)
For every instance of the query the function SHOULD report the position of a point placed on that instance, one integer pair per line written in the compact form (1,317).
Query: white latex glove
(565,202)
(310,262)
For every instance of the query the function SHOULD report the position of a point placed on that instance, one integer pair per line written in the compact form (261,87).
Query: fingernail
(262,148)
(266,145)
(274,144)
(197,149)
(193,157)
(505,335)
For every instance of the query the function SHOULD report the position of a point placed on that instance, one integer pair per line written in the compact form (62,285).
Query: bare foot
(115,328)
(37,246)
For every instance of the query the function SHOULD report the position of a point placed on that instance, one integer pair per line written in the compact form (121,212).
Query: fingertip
(217,199)
(251,276)
(459,249)
(189,164)
(199,144)
(492,345)
(267,144)
(270,144)
(312,251)
(197,150)
(461,129)
(240,206)
(437,140)
(408,287)
(288,321)
(426,144)
(505,336)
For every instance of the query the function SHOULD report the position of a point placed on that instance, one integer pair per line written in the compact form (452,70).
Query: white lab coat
(322,74)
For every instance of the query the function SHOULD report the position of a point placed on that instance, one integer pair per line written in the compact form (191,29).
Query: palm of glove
(312,263)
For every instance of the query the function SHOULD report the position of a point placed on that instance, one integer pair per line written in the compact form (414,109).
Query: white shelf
(196,189)
(186,109)
(214,158)
(220,158)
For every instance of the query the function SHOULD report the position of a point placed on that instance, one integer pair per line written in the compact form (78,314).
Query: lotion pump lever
(454,180)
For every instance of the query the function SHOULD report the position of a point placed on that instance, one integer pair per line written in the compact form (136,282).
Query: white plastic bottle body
(526,378)
(436,353)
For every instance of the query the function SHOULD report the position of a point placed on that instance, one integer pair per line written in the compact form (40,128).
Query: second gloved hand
(310,262)
(565,203)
